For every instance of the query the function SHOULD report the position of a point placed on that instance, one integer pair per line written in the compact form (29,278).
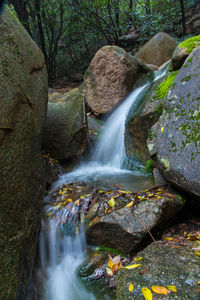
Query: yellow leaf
(129,204)
(147,294)
(132,266)
(109,272)
(160,290)
(172,288)
(138,259)
(69,200)
(130,287)
(198,282)
(111,202)
(77,202)
(101,192)
(197,253)
(169,239)
(162,129)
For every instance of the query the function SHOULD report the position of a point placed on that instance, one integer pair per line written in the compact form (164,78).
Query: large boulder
(110,77)
(161,265)
(158,50)
(126,228)
(23,103)
(183,50)
(65,132)
(175,139)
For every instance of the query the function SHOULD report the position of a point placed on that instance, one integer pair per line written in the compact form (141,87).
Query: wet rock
(158,50)
(65,132)
(175,143)
(125,229)
(23,105)
(110,77)
(138,124)
(162,266)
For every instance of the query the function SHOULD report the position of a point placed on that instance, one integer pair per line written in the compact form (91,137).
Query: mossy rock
(183,50)
(161,265)
(23,106)
(65,132)
(175,143)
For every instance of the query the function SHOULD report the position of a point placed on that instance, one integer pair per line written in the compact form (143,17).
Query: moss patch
(190,44)
(163,88)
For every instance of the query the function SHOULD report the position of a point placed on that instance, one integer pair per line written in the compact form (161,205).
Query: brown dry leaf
(160,290)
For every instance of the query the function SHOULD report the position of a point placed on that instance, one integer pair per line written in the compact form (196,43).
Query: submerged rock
(23,104)
(162,265)
(126,228)
(65,132)
(158,50)
(175,139)
(110,77)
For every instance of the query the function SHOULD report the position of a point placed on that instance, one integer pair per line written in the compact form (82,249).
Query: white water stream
(61,254)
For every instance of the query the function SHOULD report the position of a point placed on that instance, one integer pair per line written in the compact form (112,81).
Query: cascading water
(62,250)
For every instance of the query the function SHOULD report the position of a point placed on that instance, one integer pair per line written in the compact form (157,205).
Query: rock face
(65,132)
(139,123)
(110,77)
(158,50)
(161,266)
(175,141)
(125,228)
(23,103)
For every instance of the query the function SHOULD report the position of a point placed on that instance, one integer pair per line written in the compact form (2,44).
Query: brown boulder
(110,77)
(158,50)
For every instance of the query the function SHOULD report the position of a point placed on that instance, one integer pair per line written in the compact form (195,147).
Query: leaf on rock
(138,258)
(111,202)
(160,290)
(162,129)
(172,288)
(133,266)
(197,253)
(147,293)
(109,272)
(130,287)
(130,204)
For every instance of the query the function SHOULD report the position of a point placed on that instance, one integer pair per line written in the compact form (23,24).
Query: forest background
(69,32)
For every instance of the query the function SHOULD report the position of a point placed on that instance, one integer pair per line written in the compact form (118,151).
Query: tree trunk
(183,16)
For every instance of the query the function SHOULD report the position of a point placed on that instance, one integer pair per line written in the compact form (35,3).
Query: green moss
(163,88)
(190,44)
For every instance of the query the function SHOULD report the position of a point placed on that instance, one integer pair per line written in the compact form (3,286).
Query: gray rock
(125,228)
(175,143)
(23,105)
(162,265)
(65,132)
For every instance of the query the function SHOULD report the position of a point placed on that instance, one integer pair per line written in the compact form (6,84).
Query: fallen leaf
(160,290)
(147,294)
(130,204)
(114,263)
(109,272)
(133,266)
(138,258)
(144,271)
(162,129)
(130,287)
(198,282)
(197,253)
(172,288)
(111,202)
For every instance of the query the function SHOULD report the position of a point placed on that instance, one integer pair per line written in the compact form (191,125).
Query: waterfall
(62,249)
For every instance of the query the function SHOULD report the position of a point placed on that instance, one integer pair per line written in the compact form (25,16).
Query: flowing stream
(62,239)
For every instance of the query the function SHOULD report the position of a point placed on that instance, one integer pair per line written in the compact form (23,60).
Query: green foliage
(190,44)
(163,88)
